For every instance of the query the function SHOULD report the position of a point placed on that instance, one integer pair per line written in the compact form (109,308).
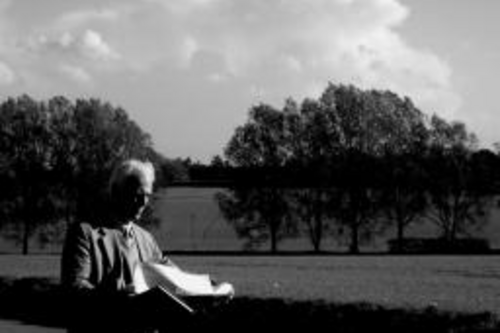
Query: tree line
(350,164)
(55,160)
(353,163)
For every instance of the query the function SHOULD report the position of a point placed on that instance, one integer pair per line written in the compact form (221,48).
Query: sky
(188,71)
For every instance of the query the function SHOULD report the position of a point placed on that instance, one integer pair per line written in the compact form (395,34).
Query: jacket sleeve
(76,260)
(156,254)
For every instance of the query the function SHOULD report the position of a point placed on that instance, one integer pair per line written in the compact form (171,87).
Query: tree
(356,132)
(56,157)
(258,213)
(64,147)
(356,204)
(360,160)
(457,202)
(314,135)
(368,121)
(170,170)
(27,152)
(331,147)
(404,199)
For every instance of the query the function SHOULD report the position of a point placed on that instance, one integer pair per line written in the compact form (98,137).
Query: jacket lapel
(140,243)
(106,248)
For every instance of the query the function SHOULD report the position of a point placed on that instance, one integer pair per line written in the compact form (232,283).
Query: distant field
(458,283)
(191,221)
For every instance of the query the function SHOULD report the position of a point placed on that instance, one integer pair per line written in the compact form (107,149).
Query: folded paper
(177,281)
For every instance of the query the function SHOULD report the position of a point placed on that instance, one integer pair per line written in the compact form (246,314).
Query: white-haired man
(99,258)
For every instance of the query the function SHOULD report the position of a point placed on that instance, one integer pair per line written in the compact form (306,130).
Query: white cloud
(283,47)
(7,75)
(389,62)
(75,19)
(73,43)
(93,46)
(308,43)
(88,45)
(216,77)
(75,73)
(187,51)
(182,7)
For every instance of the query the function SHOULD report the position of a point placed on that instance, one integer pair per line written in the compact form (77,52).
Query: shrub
(439,245)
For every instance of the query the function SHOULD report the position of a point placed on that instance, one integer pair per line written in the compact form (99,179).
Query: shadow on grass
(39,301)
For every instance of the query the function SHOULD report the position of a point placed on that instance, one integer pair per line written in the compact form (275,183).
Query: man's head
(130,186)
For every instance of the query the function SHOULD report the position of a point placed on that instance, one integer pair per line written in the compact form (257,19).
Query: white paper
(150,275)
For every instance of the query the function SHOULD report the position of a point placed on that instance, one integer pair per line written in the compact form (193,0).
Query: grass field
(455,283)
(346,293)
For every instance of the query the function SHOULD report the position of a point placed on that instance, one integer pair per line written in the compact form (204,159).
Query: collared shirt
(127,231)
(129,252)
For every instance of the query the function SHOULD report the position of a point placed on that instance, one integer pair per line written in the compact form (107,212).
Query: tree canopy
(56,157)
(364,160)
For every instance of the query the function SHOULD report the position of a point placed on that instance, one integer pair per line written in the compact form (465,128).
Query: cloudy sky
(188,70)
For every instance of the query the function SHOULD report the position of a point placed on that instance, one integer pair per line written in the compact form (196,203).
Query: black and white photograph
(249,165)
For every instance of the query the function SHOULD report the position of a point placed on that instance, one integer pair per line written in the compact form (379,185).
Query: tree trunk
(354,247)
(400,235)
(274,237)
(26,237)
(318,231)
(274,245)
(401,230)
(319,213)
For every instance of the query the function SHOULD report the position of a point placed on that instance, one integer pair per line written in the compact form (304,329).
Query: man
(99,259)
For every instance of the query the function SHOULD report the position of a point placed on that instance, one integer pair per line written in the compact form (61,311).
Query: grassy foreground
(38,301)
(340,294)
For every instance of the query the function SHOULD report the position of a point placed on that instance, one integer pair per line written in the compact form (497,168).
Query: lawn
(344,293)
(452,283)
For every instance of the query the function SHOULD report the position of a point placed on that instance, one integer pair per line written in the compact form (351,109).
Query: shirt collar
(127,228)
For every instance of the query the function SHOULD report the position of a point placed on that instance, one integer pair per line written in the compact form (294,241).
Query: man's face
(133,197)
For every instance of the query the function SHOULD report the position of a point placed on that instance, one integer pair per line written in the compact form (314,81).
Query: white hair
(142,170)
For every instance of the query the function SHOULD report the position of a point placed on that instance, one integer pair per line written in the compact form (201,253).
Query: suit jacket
(96,267)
